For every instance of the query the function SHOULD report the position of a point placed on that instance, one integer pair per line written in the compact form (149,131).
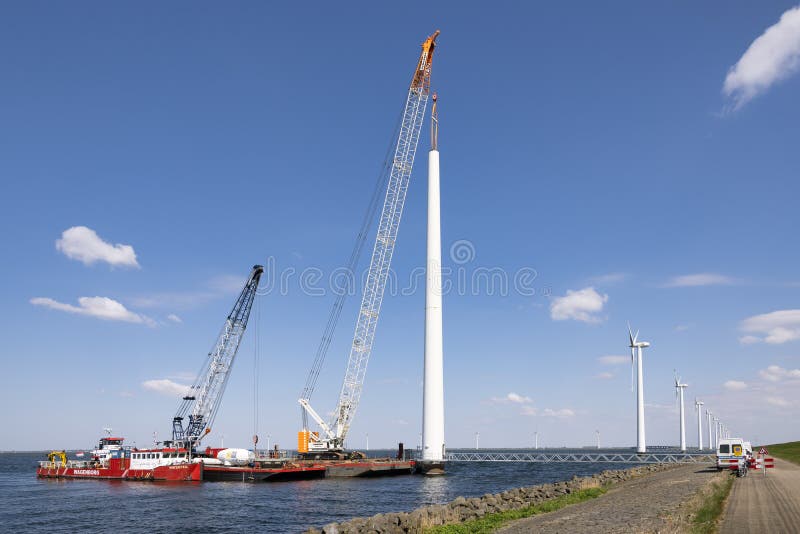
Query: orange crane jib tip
(421,78)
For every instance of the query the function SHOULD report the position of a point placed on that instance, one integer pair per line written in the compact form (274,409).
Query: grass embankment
(787,451)
(491,522)
(706,519)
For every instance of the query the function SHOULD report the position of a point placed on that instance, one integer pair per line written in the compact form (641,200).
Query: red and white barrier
(760,462)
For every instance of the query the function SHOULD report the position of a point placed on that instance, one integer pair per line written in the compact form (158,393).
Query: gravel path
(765,504)
(653,503)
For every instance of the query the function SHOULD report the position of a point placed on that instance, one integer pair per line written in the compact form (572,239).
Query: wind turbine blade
(630,333)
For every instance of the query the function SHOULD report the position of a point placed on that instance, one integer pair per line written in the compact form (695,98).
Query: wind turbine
(716,432)
(698,406)
(709,418)
(641,447)
(679,395)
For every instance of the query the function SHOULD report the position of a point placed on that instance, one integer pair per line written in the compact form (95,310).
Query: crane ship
(179,458)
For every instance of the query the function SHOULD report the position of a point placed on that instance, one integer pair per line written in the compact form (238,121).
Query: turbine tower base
(430,467)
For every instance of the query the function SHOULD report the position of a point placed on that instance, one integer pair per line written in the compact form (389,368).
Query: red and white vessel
(111,460)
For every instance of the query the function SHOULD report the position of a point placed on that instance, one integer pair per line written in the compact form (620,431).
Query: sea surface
(29,504)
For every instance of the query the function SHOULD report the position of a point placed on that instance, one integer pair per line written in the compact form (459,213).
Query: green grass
(491,522)
(707,517)
(787,451)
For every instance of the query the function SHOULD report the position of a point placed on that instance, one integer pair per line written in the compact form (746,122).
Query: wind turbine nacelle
(236,456)
(644,344)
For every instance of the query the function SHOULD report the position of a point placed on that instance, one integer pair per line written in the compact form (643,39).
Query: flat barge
(113,461)
(297,469)
(279,473)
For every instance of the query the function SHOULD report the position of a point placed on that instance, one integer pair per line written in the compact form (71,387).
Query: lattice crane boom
(205,395)
(372,297)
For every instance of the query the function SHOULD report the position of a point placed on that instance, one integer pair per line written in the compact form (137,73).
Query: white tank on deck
(236,456)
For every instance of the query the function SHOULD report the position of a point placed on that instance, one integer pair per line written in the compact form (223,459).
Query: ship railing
(272,455)
(558,457)
(81,464)
(75,464)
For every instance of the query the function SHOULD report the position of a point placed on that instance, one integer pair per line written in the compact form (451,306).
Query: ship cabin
(152,458)
(107,448)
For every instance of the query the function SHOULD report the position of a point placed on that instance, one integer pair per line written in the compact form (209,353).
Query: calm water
(30,504)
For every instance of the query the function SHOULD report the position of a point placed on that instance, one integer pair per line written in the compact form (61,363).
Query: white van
(731,449)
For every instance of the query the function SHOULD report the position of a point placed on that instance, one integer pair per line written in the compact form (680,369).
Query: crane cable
(256,358)
(352,263)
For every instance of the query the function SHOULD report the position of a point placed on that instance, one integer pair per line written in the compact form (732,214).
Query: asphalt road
(652,503)
(765,504)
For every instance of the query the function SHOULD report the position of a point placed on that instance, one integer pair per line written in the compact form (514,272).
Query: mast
(433,449)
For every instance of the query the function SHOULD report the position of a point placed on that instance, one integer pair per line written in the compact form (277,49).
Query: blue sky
(600,147)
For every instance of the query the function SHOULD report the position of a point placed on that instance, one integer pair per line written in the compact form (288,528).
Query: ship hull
(219,473)
(368,468)
(176,473)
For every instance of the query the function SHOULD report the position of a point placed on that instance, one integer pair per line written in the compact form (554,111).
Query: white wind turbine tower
(679,387)
(698,406)
(636,354)
(709,418)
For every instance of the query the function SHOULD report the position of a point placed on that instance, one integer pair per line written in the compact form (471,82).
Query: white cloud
(581,305)
(734,385)
(777,401)
(774,373)
(174,318)
(604,375)
(563,412)
(512,398)
(100,307)
(614,360)
(530,411)
(773,56)
(83,244)
(167,387)
(518,399)
(775,327)
(699,279)
(184,376)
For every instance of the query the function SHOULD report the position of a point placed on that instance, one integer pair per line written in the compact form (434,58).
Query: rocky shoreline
(464,509)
